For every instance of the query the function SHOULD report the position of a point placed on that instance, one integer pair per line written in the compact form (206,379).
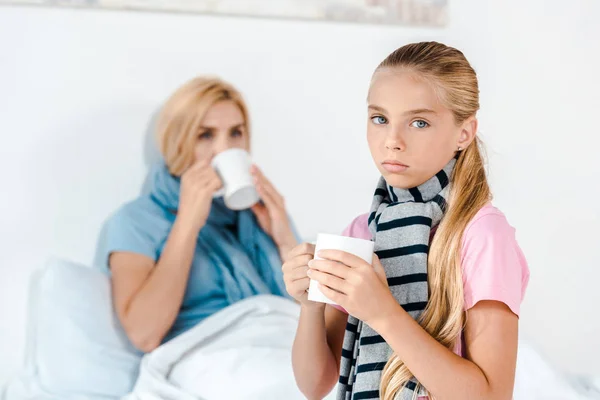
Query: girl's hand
(271,213)
(294,274)
(355,285)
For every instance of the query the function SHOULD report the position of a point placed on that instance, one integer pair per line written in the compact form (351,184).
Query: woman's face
(411,135)
(222,128)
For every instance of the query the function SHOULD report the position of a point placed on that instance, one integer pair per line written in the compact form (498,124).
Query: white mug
(359,247)
(233,167)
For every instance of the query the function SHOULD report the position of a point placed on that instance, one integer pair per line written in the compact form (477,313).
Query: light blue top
(234,258)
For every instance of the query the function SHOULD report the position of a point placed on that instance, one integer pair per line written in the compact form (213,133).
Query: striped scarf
(400,222)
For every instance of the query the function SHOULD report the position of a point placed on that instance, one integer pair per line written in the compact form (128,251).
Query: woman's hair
(180,118)
(455,82)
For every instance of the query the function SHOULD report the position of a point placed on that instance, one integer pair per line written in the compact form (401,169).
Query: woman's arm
(318,349)
(148,297)
(488,372)
(272,215)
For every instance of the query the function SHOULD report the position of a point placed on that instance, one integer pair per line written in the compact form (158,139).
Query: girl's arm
(488,372)
(318,349)
(491,331)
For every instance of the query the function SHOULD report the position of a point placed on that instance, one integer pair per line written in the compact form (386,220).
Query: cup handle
(219,193)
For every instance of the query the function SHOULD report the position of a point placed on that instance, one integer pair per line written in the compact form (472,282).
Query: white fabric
(75,346)
(537,379)
(242,352)
(77,351)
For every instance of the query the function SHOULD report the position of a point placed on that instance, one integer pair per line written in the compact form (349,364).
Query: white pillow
(75,345)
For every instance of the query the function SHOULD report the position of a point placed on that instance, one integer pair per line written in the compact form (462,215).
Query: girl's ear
(468,131)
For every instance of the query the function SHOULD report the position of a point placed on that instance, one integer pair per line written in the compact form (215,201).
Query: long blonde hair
(443,318)
(182,114)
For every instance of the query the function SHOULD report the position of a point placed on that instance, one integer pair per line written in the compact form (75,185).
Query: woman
(178,254)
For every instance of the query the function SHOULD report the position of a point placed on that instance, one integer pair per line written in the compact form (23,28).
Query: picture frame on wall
(432,13)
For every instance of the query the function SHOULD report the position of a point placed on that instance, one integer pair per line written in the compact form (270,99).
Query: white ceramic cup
(359,247)
(233,167)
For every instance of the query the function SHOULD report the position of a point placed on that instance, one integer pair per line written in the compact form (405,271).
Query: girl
(178,255)
(437,314)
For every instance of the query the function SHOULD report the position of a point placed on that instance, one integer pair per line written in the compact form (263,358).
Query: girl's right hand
(198,186)
(294,273)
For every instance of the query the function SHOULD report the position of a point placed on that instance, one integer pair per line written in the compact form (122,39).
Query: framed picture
(389,12)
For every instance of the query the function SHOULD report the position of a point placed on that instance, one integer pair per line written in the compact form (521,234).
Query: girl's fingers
(333,295)
(303,249)
(331,281)
(298,273)
(296,262)
(300,286)
(343,257)
(331,267)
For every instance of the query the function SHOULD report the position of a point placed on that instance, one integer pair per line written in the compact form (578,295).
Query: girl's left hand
(361,289)
(271,213)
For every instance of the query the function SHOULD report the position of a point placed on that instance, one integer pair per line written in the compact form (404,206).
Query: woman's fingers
(269,194)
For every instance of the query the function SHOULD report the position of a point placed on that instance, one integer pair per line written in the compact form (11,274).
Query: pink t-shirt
(494,267)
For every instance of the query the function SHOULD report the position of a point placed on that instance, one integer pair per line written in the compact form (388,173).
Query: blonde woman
(437,314)
(178,255)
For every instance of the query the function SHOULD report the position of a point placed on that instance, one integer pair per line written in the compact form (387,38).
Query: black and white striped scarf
(400,222)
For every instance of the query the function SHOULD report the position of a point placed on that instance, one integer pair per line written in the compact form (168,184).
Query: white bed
(77,350)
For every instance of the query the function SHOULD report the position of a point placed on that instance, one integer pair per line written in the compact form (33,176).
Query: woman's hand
(272,215)
(198,185)
(361,289)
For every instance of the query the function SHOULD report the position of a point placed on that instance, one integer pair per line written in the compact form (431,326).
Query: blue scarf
(247,258)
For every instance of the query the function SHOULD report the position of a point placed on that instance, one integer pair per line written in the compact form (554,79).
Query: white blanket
(242,352)
(537,379)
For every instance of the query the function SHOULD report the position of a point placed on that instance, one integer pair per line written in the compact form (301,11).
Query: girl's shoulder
(359,228)
(488,219)
(494,266)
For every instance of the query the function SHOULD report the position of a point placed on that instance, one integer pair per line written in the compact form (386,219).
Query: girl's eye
(419,124)
(205,136)
(379,120)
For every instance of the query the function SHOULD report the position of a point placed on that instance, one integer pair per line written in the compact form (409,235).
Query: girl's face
(411,135)
(222,128)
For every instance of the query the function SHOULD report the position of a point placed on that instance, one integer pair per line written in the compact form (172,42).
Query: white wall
(78,90)
(542,106)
